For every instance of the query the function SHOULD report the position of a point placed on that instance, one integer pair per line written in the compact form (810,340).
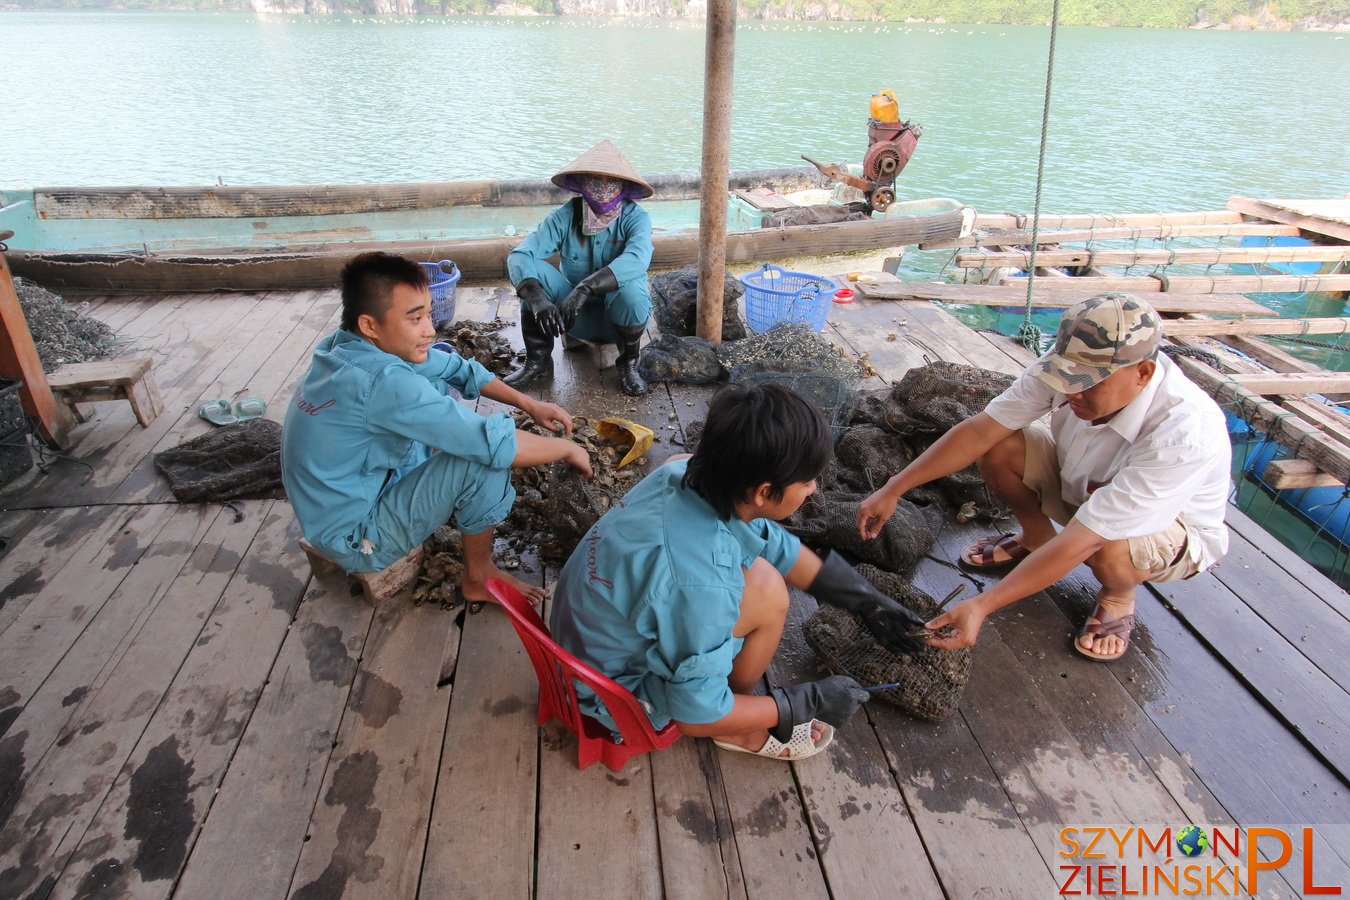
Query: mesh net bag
(788,347)
(234,462)
(932,399)
(820,214)
(866,457)
(833,395)
(830,519)
(681,360)
(931,681)
(924,405)
(675,303)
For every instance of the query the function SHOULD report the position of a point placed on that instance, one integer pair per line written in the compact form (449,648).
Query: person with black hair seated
(376,453)
(680,592)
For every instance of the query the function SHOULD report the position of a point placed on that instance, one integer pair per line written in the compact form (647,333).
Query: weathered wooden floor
(185,712)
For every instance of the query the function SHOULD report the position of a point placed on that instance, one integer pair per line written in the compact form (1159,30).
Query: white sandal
(799,746)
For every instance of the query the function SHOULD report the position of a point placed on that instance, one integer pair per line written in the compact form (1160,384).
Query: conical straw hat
(603,159)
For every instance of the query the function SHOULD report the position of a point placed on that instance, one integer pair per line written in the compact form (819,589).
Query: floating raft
(1292,401)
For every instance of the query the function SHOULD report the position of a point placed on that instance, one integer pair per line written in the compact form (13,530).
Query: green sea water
(1140,119)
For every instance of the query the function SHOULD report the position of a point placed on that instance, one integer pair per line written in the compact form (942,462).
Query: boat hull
(231,238)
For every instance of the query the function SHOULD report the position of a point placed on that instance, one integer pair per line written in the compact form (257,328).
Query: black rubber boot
(630,382)
(538,354)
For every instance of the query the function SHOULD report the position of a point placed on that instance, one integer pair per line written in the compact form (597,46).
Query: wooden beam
(1010,221)
(1198,327)
(263,201)
(1201,256)
(1327,454)
(1293,382)
(1327,217)
(1201,284)
(1022,237)
(1289,474)
(19,361)
(1056,295)
(1275,358)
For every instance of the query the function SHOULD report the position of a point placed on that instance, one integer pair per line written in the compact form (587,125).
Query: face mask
(603,201)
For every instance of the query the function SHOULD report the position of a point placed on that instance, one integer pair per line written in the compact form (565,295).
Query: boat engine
(890,144)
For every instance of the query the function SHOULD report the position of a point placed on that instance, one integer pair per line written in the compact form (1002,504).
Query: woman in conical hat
(598,291)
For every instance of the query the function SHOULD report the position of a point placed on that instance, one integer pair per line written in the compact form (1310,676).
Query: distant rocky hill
(1267,15)
(1273,15)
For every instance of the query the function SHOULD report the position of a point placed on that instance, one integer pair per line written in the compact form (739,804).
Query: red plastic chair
(557,670)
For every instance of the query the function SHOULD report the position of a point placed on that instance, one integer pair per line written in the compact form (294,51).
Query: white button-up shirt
(1164,457)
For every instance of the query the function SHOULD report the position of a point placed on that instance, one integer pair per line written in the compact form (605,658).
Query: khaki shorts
(1162,555)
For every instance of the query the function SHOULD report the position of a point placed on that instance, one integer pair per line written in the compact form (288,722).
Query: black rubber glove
(597,284)
(894,626)
(532,293)
(833,700)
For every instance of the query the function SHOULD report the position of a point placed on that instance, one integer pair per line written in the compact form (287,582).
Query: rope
(1029,335)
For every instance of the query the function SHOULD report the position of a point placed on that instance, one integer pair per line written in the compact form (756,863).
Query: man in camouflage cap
(1133,463)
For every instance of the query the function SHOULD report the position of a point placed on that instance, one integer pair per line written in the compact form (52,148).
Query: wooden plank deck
(185,712)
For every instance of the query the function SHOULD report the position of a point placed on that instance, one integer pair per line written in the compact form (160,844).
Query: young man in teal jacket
(377,454)
(680,592)
(598,290)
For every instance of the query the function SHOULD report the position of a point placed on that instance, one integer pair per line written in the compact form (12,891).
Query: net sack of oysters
(929,683)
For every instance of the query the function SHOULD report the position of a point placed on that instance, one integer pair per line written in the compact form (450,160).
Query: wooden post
(718,67)
(19,360)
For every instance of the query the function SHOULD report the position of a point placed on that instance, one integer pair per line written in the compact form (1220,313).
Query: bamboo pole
(1201,256)
(1207,327)
(1015,221)
(718,69)
(1022,237)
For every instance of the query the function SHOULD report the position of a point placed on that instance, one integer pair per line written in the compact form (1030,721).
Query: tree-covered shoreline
(1273,15)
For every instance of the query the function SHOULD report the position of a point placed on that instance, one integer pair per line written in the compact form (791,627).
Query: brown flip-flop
(980,556)
(1102,624)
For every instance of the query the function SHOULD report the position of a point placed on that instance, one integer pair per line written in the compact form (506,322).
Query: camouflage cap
(1101,335)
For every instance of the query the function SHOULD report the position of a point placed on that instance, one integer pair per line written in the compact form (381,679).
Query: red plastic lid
(843,295)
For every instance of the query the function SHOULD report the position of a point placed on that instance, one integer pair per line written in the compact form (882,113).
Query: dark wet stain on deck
(223,562)
(353,789)
(284,587)
(126,551)
(29,582)
(866,771)
(768,817)
(376,699)
(504,707)
(11,773)
(160,812)
(10,707)
(327,654)
(73,697)
(171,548)
(697,819)
(105,881)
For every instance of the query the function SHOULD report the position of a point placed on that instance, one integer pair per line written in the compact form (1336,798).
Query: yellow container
(884,106)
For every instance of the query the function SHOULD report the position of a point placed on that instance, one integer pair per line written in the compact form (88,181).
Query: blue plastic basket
(774,295)
(443,275)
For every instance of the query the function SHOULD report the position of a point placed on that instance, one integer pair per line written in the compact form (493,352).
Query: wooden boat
(146,239)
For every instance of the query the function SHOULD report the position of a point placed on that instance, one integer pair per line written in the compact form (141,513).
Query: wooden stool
(377,586)
(109,379)
(603,355)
